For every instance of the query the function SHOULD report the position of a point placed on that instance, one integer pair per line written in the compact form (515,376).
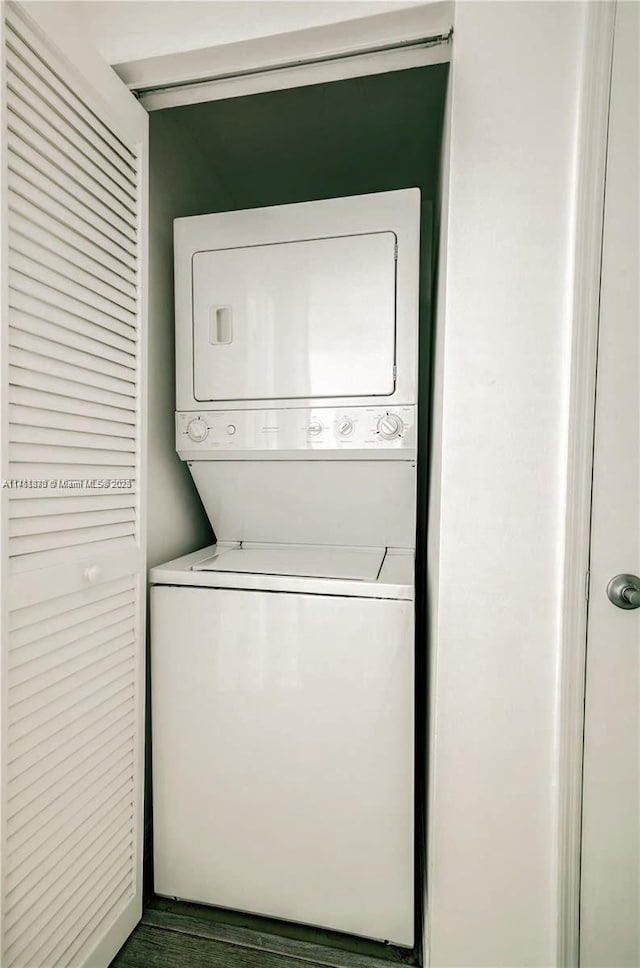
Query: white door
(72,555)
(610,902)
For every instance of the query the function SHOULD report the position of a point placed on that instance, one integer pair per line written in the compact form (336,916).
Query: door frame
(589,213)
(182,78)
(391,41)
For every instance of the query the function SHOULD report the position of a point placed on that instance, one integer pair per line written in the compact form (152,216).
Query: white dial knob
(345,427)
(315,428)
(390,426)
(197,429)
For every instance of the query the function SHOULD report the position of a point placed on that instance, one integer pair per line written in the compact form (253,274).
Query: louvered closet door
(72,515)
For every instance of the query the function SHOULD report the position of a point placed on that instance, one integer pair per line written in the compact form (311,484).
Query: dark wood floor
(176,935)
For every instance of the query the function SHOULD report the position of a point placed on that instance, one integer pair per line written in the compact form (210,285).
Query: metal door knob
(624,591)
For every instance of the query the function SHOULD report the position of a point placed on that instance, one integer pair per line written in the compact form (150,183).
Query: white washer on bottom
(283,734)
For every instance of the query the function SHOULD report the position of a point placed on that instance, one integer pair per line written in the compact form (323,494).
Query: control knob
(197,429)
(315,428)
(345,427)
(390,426)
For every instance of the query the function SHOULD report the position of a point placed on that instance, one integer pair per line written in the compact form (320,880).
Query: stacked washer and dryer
(283,655)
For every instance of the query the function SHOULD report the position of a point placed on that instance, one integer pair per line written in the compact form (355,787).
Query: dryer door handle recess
(220,325)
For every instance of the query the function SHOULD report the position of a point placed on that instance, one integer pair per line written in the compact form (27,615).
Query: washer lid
(301,561)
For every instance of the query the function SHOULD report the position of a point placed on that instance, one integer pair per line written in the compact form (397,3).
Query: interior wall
(503,325)
(180,183)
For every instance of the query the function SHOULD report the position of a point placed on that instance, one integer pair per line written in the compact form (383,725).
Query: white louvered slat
(63,743)
(72,603)
(24,879)
(33,909)
(24,304)
(34,656)
(49,402)
(102,775)
(23,94)
(40,195)
(30,949)
(72,538)
(40,359)
(66,519)
(73,688)
(59,176)
(56,287)
(59,282)
(35,223)
(30,433)
(67,157)
(21,114)
(63,474)
(44,383)
(59,420)
(39,850)
(66,265)
(105,907)
(54,783)
(98,548)
(65,663)
(27,895)
(104,897)
(48,642)
(65,101)
(68,199)
(58,345)
(62,454)
(47,296)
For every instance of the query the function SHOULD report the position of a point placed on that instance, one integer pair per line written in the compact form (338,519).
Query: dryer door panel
(295,320)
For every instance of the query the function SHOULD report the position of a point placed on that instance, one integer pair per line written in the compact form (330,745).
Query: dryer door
(292,320)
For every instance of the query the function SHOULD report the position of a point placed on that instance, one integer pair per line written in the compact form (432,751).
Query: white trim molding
(397,40)
(591,152)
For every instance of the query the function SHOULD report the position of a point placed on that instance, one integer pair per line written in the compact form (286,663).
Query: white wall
(180,183)
(133,29)
(496,516)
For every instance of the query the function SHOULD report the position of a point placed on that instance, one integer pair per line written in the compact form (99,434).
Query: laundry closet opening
(352,137)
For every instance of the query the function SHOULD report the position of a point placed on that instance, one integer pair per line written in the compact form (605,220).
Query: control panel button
(315,428)
(197,429)
(390,426)
(231,429)
(344,427)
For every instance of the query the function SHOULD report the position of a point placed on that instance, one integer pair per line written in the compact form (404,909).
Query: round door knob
(624,591)
(197,429)
(390,426)
(345,427)
(315,428)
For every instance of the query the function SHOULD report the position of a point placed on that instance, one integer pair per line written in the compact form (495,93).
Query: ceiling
(124,30)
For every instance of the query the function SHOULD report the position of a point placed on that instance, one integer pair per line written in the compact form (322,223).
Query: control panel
(297,430)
